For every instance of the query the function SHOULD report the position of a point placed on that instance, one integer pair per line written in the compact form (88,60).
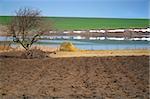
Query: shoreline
(78,53)
(101,53)
(79,37)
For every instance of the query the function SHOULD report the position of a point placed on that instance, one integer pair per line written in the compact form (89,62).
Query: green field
(72,23)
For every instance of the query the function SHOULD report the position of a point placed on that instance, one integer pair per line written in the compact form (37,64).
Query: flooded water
(100,44)
(94,44)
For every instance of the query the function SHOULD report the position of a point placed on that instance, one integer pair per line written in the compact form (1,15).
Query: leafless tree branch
(27,26)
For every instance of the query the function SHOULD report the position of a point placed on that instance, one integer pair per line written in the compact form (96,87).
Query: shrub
(67,46)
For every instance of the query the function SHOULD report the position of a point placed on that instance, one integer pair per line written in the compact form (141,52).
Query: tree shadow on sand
(27,54)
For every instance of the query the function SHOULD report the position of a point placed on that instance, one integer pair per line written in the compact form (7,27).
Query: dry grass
(71,51)
(5,48)
(34,52)
(99,53)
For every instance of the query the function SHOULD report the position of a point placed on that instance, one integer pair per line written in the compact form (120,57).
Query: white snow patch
(114,38)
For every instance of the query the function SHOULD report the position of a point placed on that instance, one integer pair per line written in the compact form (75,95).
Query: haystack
(67,46)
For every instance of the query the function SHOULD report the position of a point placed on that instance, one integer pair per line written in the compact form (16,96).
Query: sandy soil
(106,77)
(99,53)
(79,53)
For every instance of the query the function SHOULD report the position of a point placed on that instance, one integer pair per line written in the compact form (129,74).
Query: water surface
(100,44)
(93,44)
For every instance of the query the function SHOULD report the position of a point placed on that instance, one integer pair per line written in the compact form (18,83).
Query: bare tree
(27,26)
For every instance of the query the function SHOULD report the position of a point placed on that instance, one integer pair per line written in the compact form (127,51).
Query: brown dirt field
(107,77)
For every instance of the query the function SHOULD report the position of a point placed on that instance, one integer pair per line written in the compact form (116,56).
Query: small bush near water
(67,46)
